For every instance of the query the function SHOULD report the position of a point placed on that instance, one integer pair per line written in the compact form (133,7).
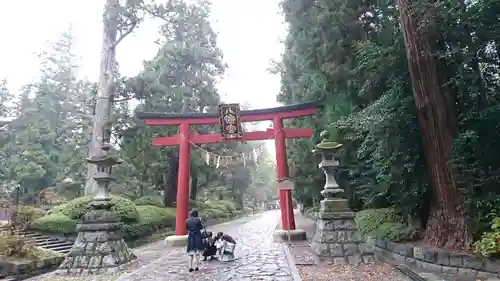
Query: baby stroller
(225,247)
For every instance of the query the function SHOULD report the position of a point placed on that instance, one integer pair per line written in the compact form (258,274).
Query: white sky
(249,35)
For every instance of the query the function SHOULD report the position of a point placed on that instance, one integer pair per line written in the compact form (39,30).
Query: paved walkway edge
(291,263)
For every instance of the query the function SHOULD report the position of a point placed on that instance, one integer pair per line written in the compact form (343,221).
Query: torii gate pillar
(286,205)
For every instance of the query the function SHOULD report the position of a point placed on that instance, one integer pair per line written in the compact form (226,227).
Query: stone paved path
(258,257)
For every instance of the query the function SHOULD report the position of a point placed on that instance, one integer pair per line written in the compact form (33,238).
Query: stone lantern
(99,247)
(336,240)
(331,191)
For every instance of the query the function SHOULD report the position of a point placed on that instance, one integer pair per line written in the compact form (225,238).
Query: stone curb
(291,263)
(437,260)
(289,256)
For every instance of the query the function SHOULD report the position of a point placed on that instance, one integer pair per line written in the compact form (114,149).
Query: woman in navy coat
(195,240)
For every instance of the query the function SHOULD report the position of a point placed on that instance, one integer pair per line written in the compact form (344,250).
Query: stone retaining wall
(28,268)
(437,260)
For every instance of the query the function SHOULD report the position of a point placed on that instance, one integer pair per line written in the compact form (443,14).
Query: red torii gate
(185,137)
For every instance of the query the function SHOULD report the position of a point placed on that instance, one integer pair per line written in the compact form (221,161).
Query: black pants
(210,250)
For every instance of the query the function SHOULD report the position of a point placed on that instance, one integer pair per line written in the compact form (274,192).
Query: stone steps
(44,241)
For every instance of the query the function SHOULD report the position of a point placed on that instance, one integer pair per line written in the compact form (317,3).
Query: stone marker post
(336,240)
(99,247)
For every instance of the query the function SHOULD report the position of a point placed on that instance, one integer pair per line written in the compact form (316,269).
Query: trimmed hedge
(384,224)
(78,207)
(139,221)
(218,209)
(151,219)
(149,200)
(55,223)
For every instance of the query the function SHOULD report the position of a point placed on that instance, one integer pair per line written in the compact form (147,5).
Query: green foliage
(352,56)
(368,220)
(78,207)
(151,219)
(55,223)
(489,244)
(228,206)
(149,200)
(25,216)
(384,224)
(14,246)
(395,232)
(218,209)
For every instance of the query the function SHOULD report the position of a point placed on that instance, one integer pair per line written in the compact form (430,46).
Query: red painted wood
(288,219)
(183,182)
(287,216)
(243,118)
(247,136)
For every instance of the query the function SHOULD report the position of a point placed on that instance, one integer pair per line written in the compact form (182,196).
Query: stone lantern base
(337,240)
(99,247)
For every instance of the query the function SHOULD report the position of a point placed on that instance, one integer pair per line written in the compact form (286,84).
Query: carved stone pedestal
(99,247)
(337,240)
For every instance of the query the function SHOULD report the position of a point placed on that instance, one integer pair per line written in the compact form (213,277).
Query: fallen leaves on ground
(365,272)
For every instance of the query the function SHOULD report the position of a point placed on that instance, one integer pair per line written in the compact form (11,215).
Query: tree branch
(154,14)
(125,34)
(124,99)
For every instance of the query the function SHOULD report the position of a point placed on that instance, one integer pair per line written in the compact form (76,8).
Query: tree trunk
(447,224)
(170,195)
(106,89)
(194,189)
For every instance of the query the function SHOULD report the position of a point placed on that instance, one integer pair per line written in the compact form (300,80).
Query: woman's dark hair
(194,214)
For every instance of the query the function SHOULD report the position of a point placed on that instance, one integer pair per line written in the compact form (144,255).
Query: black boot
(196,269)
(190,270)
(205,258)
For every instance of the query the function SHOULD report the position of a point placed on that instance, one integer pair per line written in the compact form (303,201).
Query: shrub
(227,207)
(384,224)
(149,200)
(55,223)
(214,214)
(489,244)
(151,219)
(76,208)
(370,219)
(230,206)
(11,245)
(394,231)
(17,246)
(25,216)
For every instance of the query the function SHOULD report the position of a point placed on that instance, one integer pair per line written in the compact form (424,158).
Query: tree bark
(172,171)
(194,189)
(447,225)
(106,88)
